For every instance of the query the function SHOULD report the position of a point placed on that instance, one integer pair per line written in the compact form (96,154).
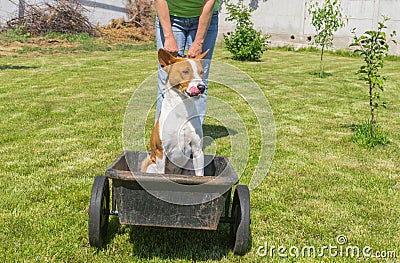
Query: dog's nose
(201,87)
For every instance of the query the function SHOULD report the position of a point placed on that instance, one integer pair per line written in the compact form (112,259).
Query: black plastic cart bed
(156,200)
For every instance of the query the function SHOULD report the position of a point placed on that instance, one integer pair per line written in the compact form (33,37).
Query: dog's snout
(201,87)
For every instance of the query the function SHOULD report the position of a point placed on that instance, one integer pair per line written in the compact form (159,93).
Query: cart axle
(228,220)
(113,213)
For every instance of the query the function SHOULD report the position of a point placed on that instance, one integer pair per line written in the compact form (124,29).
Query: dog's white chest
(181,132)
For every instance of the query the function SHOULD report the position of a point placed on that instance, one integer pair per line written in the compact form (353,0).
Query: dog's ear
(165,58)
(202,56)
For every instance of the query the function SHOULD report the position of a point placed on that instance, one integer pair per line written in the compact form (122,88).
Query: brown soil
(118,31)
(12,48)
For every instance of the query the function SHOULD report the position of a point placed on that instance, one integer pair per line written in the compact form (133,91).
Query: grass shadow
(324,75)
(113,229)
(351,127)
(180,244)
(4,67)
(217,131)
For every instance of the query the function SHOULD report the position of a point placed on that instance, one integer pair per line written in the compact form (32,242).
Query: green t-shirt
(187,8)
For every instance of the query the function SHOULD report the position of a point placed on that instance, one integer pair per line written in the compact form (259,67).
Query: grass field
(61,124)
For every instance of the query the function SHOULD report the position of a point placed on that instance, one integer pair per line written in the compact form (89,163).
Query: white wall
(102,11)
(99,11)
(288,21)
(7,10)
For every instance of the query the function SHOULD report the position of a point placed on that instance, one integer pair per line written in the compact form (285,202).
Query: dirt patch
(120,30)
(24,35)
(35,46)
(117,32)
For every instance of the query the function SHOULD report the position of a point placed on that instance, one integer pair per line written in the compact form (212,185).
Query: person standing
(186,25)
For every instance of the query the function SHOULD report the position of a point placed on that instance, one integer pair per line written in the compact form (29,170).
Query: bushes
(245,43)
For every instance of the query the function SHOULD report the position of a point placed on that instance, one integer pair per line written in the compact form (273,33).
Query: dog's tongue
(194,91)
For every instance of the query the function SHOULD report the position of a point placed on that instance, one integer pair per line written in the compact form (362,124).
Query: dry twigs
(65,16)
(141,13)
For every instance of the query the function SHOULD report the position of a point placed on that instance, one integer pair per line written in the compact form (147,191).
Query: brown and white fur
(178,132)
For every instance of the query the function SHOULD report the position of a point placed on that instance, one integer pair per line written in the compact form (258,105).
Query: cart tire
(240,226)
(99,211)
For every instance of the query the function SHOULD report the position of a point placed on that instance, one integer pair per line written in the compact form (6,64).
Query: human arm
(204,22)
(162,10)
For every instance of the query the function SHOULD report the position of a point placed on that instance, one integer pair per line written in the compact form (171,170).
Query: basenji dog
(177,135)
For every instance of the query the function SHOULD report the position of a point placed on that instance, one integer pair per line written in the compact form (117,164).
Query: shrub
(245,43)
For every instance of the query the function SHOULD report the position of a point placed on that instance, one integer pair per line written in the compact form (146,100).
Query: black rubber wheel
(240,227)
(99,211)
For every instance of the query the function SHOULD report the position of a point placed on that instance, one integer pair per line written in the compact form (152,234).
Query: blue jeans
(184,30)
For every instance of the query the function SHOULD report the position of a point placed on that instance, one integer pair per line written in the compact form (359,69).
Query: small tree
(373,46)
(326,20)
(245,43)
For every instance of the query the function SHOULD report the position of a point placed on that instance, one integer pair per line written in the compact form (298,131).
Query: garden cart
(145,199)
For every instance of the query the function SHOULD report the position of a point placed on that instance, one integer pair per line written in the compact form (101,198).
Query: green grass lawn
(61,125)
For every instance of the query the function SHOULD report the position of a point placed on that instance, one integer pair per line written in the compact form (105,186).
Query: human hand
(170,45)
(195,50)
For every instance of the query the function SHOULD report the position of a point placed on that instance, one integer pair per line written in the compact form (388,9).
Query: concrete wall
(102,11)
(287,21)
(7,10)
(99,11)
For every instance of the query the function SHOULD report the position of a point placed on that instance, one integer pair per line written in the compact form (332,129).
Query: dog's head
(184,74)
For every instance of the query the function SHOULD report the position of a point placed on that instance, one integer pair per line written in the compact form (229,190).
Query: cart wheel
(240,227)
(99,211)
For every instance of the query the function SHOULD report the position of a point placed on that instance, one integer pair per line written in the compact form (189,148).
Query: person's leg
(162,75)
(208,44)
(181,39)
(211,36)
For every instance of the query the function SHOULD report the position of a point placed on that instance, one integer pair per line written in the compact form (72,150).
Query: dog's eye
(186,71)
